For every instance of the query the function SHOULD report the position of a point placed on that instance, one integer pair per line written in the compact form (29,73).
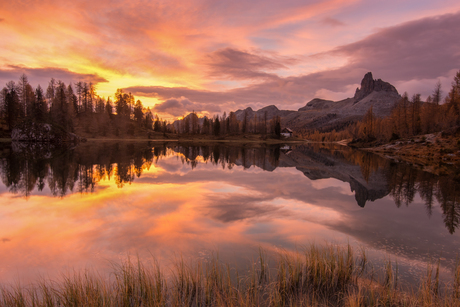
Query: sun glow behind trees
(84,112)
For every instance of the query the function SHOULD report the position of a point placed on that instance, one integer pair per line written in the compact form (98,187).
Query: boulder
(41,132)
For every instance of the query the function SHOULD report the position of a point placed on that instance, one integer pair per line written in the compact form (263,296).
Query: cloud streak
(239,64)
(332,22)
(42,76)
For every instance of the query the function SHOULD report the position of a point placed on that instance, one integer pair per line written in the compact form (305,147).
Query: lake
(65,209)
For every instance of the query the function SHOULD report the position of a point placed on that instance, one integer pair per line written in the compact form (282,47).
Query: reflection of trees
(368,163)
(448,195)
(20,175)
(81,168)
(404,181)
(265,157)
(22,169)
(427,187)
(401,181)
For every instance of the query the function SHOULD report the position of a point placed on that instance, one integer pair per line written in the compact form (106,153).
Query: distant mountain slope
(269,112)
(327,115)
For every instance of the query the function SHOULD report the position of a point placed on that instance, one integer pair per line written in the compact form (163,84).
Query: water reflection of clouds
(330,183)
(173,208)
(380,225)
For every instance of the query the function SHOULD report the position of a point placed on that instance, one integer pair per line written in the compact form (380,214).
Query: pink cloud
(238,64)
(332,22)
(42,76)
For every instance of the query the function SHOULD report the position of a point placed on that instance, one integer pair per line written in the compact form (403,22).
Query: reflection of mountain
(370,177)
(332,163)
(315,163)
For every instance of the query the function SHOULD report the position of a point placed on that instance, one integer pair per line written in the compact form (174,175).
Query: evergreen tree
(79,90)
(148,122)
(109,107)
(277,126)
(138,113)
(216,126)
(437,93)
(121,104)
(100,105)
(157,124)
(72,101)
(29,100)
(50,92)
(23,93)
(59,108)
(453,99)
(10,104)
(40,109)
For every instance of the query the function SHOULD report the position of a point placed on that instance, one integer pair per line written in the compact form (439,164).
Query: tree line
(409,117)
(75,107)
(78,108)
(223,125)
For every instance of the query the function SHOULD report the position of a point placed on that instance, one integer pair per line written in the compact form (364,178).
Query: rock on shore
(41,132)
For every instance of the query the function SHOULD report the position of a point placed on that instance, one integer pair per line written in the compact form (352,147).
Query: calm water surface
(89,206)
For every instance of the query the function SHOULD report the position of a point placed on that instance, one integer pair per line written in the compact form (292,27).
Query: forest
(78,109)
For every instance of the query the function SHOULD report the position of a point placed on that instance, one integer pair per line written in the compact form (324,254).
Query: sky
(215,56)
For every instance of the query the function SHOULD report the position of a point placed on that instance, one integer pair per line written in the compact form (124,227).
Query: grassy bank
(318,276)
(437,153)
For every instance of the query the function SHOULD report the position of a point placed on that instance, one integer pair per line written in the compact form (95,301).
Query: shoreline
(191,140)
(434,153)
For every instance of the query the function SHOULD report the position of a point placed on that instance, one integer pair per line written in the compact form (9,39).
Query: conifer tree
(138,113)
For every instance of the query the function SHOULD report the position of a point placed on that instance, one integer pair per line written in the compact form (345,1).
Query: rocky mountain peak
(369,85)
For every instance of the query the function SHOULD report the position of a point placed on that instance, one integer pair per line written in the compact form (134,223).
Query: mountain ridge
(326,115)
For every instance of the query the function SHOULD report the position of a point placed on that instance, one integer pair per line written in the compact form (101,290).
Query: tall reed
(316,276)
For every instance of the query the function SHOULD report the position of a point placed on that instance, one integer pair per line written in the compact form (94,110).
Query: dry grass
(317,276)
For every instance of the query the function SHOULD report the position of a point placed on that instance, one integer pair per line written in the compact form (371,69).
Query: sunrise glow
(229,55)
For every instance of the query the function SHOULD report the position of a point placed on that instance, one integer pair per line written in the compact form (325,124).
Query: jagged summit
(369,85)
(328,115)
